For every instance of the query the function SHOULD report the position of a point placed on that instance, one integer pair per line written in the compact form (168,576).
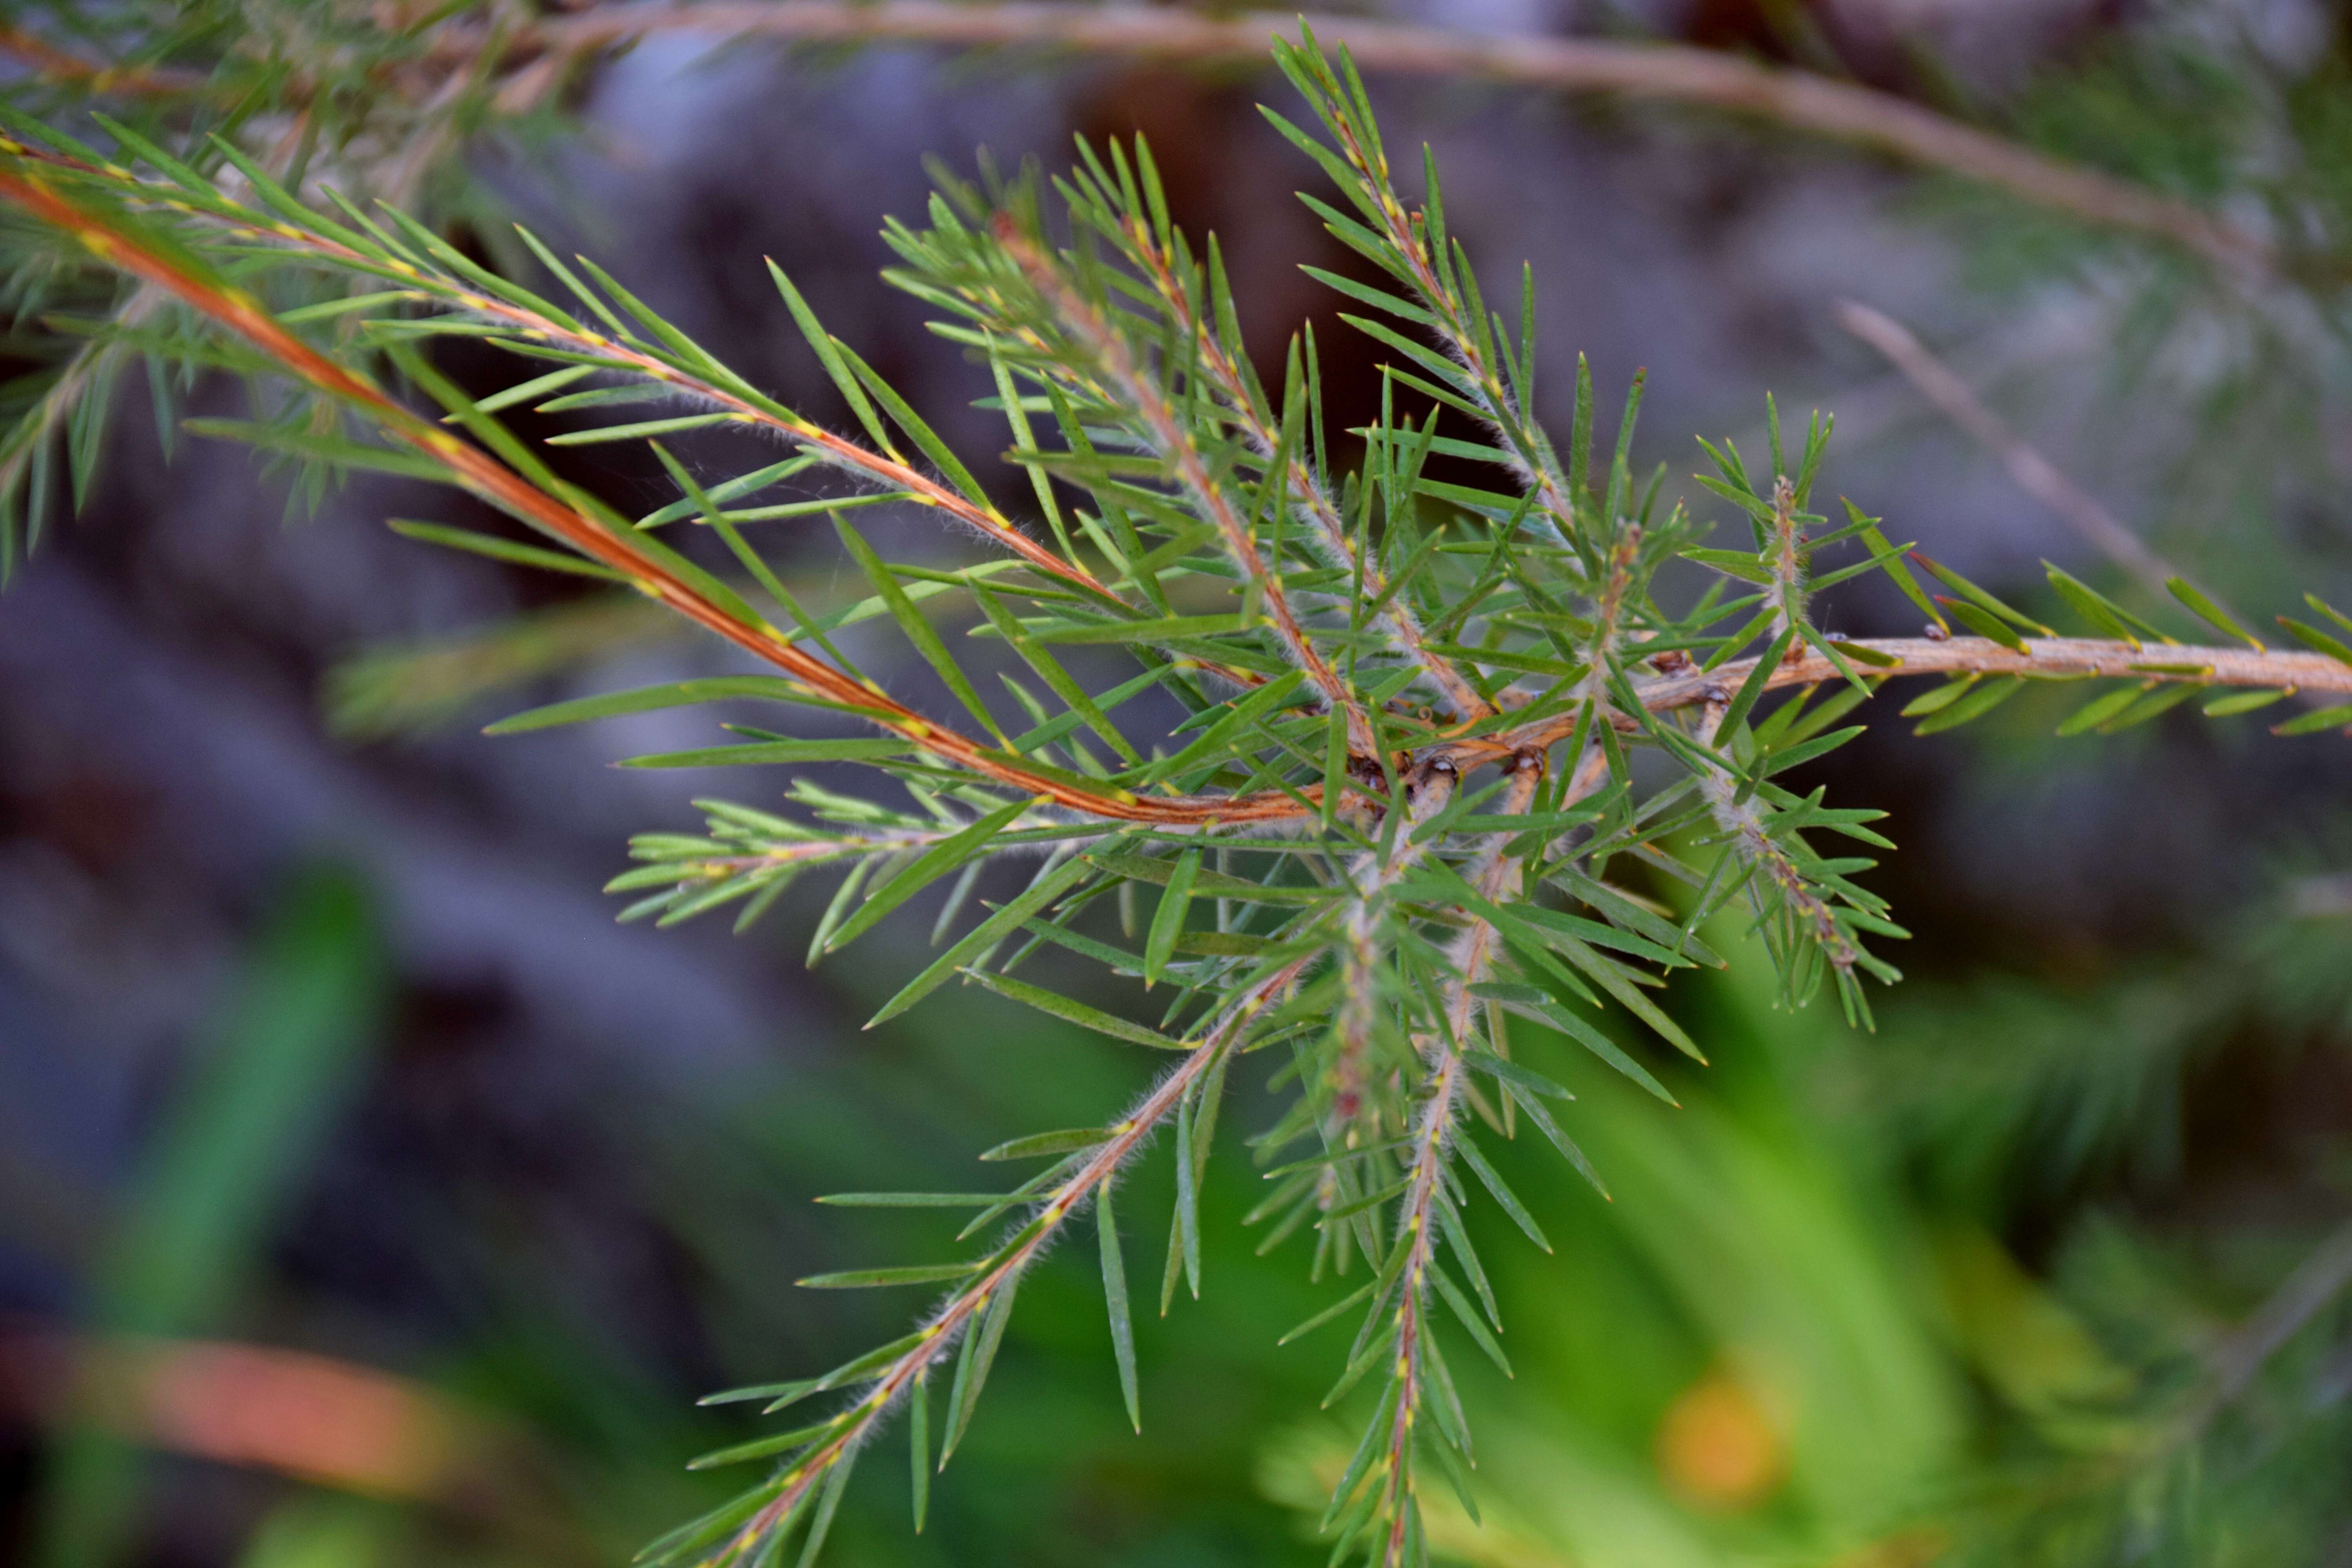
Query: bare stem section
(1704,79)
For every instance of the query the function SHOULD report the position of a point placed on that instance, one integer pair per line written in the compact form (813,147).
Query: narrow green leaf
(2316,640)
(1560,1140)
(1939,698)
(913,1200)
(865,1279)
(1122,1325)
(2160,699)
(919,631)
(1988,696)
(918,1446)
(1078,1013)
(2211,613)
(2311,723)
(1169,919)
(1038,1144)
(641,429)
(2099,709)
(1049,886)
(498,549)
(1978,597)
(972,1368)
(2099,610)
(836,1481)
(1169,629)
(1187,1224)
(1470,1319)
(847,750)
(2242,702)
(907,419)
(763,1448)
(1985,625)
(830,357)
(646,700)
(1503,1195)
(928,868)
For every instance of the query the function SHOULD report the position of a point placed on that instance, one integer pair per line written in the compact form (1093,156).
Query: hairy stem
(1372,875)
(1101,1166)
(1313,503)
(1742,822)
(2052,657)
(1496,878)
(1183,454)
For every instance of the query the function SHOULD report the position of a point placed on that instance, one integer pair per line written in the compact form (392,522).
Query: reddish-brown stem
(887,469)
(486,477)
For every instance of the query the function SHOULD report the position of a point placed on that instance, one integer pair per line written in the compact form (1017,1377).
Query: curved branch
(486,477)
(1663,72)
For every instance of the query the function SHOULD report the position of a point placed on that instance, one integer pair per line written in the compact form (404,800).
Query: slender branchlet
(1371,878)
(1221,363)
(1097,1168)
(1495,875)
(1786,593)
(1142,391)
(1417,249)
(1775,882)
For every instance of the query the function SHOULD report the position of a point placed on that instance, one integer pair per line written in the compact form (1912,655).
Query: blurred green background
(368,1199)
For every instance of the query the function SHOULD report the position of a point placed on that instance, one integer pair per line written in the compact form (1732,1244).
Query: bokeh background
(403,1203)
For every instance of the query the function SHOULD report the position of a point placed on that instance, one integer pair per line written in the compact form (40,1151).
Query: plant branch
(1314,505)
(1372,875)
(1102,1164)
(1743,823)
(1497,877)
(1183,454)
(2050,658)
(613,547)
(2034,474)
(1669,73)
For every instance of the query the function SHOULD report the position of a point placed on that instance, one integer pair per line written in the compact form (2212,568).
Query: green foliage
(1449,756)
